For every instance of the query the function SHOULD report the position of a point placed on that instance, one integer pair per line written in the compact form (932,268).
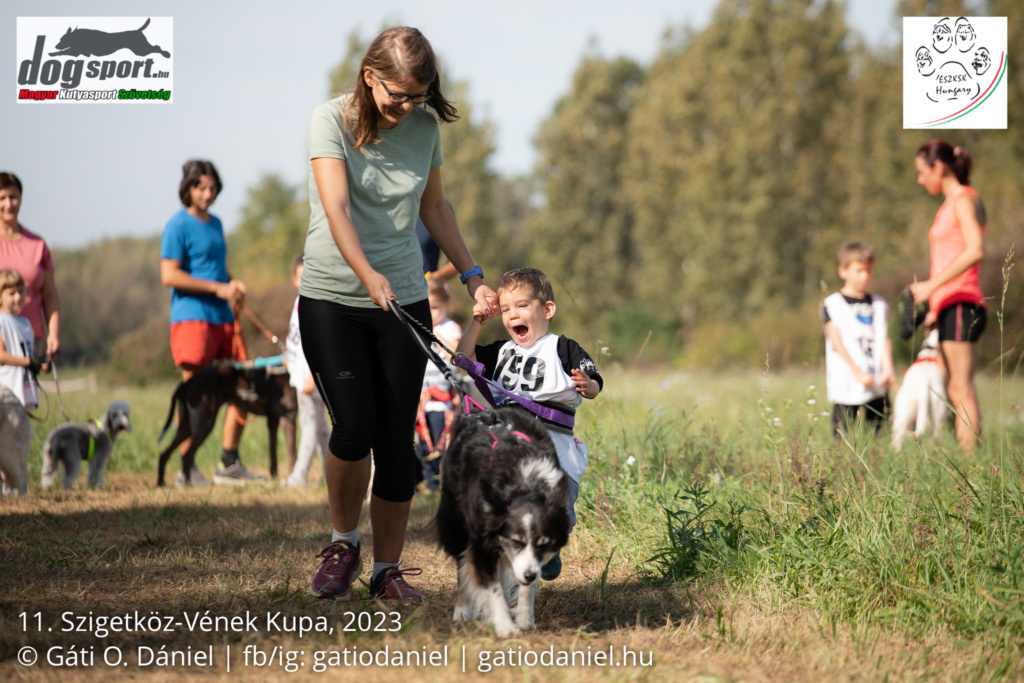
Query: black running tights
(369,371)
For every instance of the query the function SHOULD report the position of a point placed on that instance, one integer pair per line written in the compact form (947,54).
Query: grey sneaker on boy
(195,478)
(236,475)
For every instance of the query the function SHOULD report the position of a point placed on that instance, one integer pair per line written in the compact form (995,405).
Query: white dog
(921,401)
(15,440)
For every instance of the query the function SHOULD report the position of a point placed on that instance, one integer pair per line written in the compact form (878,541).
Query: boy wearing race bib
(858,352)
(550,370)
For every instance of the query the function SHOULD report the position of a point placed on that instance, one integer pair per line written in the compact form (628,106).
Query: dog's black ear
(492,498)
(561,489)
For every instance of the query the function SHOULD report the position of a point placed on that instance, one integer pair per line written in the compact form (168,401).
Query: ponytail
(957,159)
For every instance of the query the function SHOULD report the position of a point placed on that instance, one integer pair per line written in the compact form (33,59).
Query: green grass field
(722,535)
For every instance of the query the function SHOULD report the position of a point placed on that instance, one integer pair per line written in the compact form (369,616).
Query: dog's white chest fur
(920,404)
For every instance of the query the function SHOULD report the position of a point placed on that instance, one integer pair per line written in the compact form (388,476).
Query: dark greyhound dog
(199,399)
(89,42)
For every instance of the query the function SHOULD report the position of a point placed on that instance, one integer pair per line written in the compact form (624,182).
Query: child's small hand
(888,379)
(480,316)
(864,378)
(584,384)
(45,367)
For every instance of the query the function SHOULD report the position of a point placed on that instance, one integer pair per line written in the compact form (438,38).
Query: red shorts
(195,342)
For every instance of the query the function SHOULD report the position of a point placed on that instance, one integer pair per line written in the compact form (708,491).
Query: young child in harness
(549,370)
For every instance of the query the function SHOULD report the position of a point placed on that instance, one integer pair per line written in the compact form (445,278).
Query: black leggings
(369,371)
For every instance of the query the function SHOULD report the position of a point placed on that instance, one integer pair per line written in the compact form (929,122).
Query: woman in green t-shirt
(375,157)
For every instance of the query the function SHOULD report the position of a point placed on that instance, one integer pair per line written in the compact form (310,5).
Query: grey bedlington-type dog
(15,441)
(92,442)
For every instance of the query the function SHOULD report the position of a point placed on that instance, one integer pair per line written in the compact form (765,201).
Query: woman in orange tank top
(952,289)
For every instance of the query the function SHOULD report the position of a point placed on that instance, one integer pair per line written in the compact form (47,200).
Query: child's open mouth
(521,331)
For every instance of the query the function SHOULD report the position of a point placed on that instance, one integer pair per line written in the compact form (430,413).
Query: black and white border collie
(502,514)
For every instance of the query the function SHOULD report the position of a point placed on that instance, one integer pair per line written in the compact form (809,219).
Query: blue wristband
(475,270)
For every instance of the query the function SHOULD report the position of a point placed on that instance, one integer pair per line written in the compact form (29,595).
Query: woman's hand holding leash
(233,292)
(921,291)
(379,289)
(52,345)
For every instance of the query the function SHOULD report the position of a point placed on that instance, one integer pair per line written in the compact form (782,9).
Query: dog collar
(92,442)
(920,360)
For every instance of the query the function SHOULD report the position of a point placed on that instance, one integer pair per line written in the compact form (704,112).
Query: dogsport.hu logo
(95,60)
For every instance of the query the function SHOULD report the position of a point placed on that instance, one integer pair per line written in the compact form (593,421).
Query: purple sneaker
(390,585)
(340,567)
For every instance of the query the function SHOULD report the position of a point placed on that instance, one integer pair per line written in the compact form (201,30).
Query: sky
(248,73)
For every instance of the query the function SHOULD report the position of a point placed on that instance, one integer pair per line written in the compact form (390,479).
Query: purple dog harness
(476,371)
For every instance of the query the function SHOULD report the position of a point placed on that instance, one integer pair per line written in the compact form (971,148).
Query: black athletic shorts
(961,322)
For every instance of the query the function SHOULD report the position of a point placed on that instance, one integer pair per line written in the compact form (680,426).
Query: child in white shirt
(18,365)
(312,419)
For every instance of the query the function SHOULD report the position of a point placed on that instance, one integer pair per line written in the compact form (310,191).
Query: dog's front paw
(525,622)
(506,631)
(462,613)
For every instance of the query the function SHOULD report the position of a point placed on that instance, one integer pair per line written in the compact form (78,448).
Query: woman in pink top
(952,289)
(27,253)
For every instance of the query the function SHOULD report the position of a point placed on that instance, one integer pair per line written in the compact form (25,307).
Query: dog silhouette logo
(86,42)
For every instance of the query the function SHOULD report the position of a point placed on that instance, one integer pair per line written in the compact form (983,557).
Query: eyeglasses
(401,98)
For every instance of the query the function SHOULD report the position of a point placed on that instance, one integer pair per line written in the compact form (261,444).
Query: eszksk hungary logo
(95,60)
(954,72)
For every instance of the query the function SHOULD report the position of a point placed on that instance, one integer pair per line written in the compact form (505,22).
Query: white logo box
(954,72)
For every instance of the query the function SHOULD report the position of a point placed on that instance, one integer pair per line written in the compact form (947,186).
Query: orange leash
(263,328)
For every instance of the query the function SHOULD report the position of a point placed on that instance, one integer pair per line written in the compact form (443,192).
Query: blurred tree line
(690,208)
